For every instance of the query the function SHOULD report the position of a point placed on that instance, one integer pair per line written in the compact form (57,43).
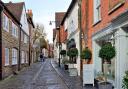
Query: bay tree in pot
(106,53)
(63,52)
(65,61)
(86,55)
(73,54)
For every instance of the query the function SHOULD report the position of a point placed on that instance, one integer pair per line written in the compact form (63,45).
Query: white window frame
(26,57)
(25,39)
(97,11)
(6,56)
(14,56)
(14,30)
(22,36)
(5,23)
(22,57)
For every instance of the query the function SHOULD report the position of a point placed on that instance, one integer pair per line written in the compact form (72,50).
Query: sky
(44,12)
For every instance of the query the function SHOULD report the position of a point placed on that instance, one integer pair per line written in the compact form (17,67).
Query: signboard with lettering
(88,74)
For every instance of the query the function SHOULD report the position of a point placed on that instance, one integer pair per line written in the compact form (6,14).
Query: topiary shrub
(86,54)
(74,52)
(69,53)
(63,52)
(73,55)
(125,81)
(107,52)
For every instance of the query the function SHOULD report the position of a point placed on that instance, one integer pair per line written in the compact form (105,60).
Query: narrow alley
(38,76)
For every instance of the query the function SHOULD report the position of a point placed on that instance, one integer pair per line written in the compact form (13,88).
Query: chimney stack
(30,14)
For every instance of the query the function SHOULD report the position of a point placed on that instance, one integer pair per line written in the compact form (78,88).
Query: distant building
(31,36)
(58,34)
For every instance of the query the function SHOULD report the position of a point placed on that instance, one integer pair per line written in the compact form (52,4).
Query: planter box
(72,65)
(104,85)
(73,72)
(66,67)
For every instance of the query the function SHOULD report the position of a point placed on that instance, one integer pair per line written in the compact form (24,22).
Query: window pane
(6,56)
(14,56)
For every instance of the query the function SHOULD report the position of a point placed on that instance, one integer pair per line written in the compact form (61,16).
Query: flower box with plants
(106,53)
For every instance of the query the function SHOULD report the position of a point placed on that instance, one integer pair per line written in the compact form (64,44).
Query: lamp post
(57,28)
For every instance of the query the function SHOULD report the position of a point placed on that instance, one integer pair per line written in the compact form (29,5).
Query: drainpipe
(80,43)
(1,9)
(86,29)
(29,46)
(19,62)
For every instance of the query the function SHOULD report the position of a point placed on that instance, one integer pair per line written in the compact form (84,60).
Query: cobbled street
(39,76)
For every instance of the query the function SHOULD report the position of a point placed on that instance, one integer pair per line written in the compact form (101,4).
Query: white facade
(71,25)
(24,22)
(119,29)
(55,51)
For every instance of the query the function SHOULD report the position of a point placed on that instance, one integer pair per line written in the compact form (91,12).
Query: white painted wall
(96,59)
(72,20)
(24,22)
(71,25)
(122,56)
(55,51)
(63,46)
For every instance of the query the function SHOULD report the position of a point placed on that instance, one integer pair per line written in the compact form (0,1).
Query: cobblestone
(43,75)
(38,76)
(73,82)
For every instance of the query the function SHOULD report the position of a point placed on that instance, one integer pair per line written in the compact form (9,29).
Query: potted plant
(63,52)
(65,61)
(72,53)
(106,53)
(125,81)
(87,55)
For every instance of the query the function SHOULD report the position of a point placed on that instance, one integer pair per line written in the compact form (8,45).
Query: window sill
(116,7)
(7,65)
(94,24)
(5,29)
(14,64)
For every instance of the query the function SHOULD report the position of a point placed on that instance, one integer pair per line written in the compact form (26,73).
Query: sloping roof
(15,9)
(58,18)
(12,15)
(69,10)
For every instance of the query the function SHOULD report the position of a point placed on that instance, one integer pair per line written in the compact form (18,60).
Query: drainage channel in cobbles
(49,79)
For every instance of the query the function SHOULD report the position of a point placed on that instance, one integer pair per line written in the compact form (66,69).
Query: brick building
(19,11)
(106,21)
(10,30)
(58,34)
(31,36)
(14,38)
